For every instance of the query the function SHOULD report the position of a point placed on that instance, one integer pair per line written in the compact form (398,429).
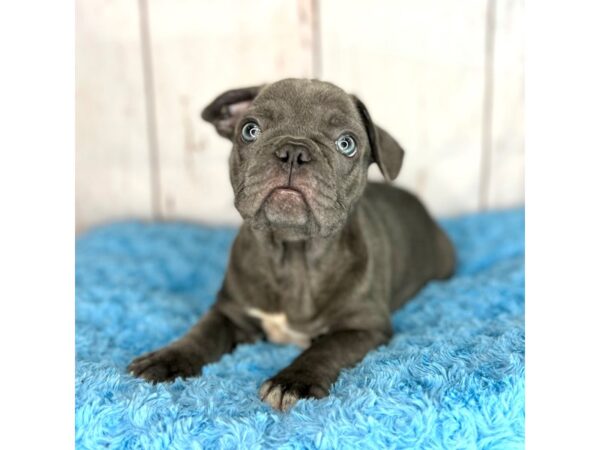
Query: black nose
(293,154)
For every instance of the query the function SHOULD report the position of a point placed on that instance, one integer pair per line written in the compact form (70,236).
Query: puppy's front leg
(316,369)
(214,335)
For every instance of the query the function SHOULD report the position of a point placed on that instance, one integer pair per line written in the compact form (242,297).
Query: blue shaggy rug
(451,378)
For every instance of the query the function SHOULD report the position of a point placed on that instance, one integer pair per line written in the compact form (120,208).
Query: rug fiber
(452,377)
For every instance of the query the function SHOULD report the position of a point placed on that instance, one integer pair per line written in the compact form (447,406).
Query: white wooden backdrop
(444,77)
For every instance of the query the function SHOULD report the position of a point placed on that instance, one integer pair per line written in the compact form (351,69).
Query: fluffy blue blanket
(452,376)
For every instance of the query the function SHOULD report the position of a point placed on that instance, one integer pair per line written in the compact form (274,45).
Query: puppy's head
(301,150)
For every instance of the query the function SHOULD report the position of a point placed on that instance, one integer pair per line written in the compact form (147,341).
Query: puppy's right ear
(225,111)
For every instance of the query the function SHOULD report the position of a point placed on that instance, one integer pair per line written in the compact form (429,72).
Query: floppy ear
(225,111)
(387,153)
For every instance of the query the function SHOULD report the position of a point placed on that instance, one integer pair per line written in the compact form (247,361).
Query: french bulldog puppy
(323,256)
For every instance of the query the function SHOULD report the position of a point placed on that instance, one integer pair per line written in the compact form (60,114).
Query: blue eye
(346,145)
(250,132)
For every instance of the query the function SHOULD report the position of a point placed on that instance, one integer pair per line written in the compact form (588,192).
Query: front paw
(285,389)
(180,359)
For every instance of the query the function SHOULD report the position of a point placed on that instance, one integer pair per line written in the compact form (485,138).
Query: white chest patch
(277,329)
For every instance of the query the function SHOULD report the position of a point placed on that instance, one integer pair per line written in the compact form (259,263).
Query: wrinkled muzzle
(288,184)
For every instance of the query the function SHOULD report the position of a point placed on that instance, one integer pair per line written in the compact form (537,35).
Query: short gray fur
(336,254)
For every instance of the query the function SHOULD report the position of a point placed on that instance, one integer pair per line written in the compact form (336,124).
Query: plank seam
(150,103)
(317,56)
(488,104)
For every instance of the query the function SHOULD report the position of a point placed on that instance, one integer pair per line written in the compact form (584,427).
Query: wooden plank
(112,171)
(200,49)
(420,72)
(507,158)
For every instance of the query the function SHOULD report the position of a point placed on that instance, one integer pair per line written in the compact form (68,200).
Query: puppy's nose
(293,154)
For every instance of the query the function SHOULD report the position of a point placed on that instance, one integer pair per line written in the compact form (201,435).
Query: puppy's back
(421,250)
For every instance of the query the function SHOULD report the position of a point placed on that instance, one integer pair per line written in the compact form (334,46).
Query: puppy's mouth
(287,192)
(286,206)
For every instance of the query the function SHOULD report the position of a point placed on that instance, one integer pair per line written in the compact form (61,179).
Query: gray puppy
(323,256)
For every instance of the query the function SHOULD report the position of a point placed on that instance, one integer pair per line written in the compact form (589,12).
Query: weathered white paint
(418,65)
(419,69)
(201,49)
(112,175)
(507,158)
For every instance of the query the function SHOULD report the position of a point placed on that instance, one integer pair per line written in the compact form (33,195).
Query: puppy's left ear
(225,111)
(387,153)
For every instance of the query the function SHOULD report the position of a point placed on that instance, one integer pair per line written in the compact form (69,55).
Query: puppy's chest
(278,329)
(292,314)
